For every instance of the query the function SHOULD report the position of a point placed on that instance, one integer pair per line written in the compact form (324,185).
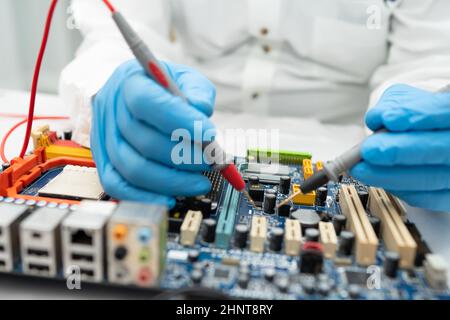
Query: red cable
(13,128)
(37,70)
(36,78)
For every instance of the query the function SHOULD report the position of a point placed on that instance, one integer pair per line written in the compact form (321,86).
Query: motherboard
(345,240)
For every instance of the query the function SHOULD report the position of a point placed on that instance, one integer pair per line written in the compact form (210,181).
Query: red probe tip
(232,175)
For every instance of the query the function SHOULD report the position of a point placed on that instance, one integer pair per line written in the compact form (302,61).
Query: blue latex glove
(412,160)
(132,122)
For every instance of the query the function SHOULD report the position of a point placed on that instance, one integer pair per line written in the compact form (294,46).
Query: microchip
(356,277)
(74,183)
(221,273)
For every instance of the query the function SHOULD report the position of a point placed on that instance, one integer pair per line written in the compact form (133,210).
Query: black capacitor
(323,288)
(270,191)
(205,207)
(364,197)
(256,192)
(240,236)
(196,276)
(67,135)
(284,210)
(243,280)
(339,222)
(346,241)
(276,239)
(253,180)
(285,184)
(269,203)
(321,196)
(193,255)
(269,274)
(311,261)
(312,234)
(282,284)
(376,224)
(391,262)
(354,291)
(209,230)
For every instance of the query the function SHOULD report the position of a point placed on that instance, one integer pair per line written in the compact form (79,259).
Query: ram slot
(358,223)
(395,234)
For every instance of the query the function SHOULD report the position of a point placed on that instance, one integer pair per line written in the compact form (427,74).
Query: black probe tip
(315,181)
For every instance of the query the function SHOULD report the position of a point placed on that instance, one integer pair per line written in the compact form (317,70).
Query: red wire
(13,128)
(36,78)
(110,6)
(37,70)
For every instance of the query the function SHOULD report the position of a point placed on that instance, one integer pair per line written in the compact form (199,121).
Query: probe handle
(145,57)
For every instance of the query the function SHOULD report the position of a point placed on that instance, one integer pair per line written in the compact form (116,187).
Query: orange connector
(23,172)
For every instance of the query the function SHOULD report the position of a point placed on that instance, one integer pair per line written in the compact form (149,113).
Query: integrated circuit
(74,183)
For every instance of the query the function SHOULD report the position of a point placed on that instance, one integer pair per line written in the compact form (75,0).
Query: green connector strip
(225,224)
(283,156)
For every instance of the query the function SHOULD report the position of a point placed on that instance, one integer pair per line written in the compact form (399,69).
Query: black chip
(356,277)
(221,273)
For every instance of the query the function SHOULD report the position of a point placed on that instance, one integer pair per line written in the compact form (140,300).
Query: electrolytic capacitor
(312,234)
(284,210)
(209,230)
(205,207)
(240,236)
(253,180)
(311,258)
(276,239)
(321,196)
(270,191)
(346,240)
(339,222)
(391,262)
(364,197)
(285,184)
(269,203)
(376,224)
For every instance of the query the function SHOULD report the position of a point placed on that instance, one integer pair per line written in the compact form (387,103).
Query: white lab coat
(326,59)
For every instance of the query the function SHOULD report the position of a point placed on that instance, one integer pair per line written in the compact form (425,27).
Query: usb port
(87,272)
(83,257)
(37,252)
(2,263)
(81,237)
(38,267)
(2,248)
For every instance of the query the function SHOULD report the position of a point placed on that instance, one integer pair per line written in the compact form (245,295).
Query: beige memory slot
(258,233)
(328,239)
(395,235)
(358,222)
(190,227)
(292,237)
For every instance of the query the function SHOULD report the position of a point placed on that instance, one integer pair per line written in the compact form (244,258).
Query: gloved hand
(132,122)
(412,160)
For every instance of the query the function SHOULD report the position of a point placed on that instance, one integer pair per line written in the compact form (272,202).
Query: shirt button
(264,31)
(255,95)
(266,48)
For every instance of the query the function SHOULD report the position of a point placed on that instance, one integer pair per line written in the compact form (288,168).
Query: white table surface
(323,141)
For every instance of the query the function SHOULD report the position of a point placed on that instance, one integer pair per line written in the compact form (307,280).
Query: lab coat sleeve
(419,53)
(103,50)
